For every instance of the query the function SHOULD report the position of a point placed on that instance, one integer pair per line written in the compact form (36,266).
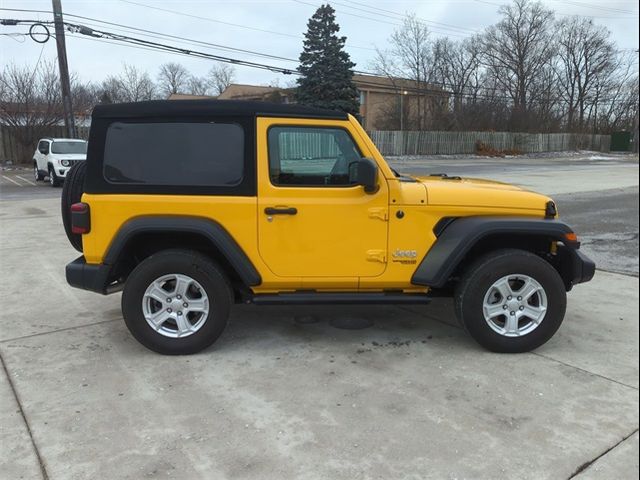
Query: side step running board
(317,298)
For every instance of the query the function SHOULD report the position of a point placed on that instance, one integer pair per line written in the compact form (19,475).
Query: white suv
(55,156)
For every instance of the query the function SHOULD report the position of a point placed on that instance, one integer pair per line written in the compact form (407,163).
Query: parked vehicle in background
(55,156)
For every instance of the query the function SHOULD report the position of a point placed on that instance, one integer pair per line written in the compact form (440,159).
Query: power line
(196,42)
(102,34)
(596,7)
(213,46)
(174,37)
(631,16)
(176,13)
(17,36)
(394,15)
(208,19)
(77,28)
(386,22)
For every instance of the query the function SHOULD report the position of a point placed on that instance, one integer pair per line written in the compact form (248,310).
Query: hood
(475,192)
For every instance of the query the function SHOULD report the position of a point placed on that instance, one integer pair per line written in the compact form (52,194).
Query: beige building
(398,104)
(385,103)
(238,91)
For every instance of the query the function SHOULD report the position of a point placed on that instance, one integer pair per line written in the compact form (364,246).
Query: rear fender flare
(209,229)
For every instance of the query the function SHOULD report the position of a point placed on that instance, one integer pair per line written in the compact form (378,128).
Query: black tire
(54,180)
(483,273)
(72,193)
(37,175)
(201,269)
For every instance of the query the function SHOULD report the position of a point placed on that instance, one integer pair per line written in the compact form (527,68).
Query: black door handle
(280,211)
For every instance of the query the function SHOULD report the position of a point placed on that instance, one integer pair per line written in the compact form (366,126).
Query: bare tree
(411,58)
(84,96)
(220,77)
(622,112)
(615,102)
(456,68)
(131,85)
(172,78)
(517,50)
(198,86)
(586,58)
(30,102)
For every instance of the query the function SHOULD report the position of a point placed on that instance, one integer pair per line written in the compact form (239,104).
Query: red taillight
(80,219)
(80,207)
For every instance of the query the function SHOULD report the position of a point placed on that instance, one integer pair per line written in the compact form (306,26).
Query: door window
(43,147)
(307,156)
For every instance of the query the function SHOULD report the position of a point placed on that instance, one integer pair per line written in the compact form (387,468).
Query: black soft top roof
(235,108)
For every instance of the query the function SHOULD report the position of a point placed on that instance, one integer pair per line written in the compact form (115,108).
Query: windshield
(69,147)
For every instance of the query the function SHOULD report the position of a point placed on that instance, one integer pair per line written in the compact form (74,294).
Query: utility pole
(65,84)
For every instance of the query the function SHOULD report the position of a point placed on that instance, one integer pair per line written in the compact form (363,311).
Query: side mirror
(364,172)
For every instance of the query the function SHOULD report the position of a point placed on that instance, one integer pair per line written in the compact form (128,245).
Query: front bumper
(583,267)
(61,170)
(95,278)
(575,266)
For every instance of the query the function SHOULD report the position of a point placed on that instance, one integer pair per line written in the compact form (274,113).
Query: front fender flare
(461,234)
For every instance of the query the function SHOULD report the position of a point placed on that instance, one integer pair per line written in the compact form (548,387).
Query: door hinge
(380,213)
(377,256)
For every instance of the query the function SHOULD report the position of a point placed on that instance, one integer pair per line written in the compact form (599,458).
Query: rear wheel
(511,301)
(72,193)
(176,302)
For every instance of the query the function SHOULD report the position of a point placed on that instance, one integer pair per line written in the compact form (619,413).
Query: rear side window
(180,153)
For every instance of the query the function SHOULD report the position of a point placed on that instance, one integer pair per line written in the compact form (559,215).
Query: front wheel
(511,301)
(54,180)
(36,172)
(176,302)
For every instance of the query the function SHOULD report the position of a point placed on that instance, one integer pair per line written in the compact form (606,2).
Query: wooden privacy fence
(440,143)
(388,142)
(13,150)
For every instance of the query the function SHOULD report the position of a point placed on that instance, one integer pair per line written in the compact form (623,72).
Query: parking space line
(26,180)
(12,181)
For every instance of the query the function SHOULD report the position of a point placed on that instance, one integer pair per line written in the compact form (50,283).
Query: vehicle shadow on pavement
(275,327)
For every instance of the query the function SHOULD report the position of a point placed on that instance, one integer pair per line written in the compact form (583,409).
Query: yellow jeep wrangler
(191,206)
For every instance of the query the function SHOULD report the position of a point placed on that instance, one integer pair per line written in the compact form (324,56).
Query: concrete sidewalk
(412,397)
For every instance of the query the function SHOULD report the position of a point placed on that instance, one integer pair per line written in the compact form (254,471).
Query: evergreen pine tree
(327,78)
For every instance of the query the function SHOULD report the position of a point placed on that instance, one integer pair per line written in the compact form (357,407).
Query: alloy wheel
(175,305)
(515,305)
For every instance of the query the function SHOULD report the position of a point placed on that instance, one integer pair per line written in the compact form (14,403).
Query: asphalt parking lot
(276,397)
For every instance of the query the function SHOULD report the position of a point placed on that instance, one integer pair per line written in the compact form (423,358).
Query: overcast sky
(271,27)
